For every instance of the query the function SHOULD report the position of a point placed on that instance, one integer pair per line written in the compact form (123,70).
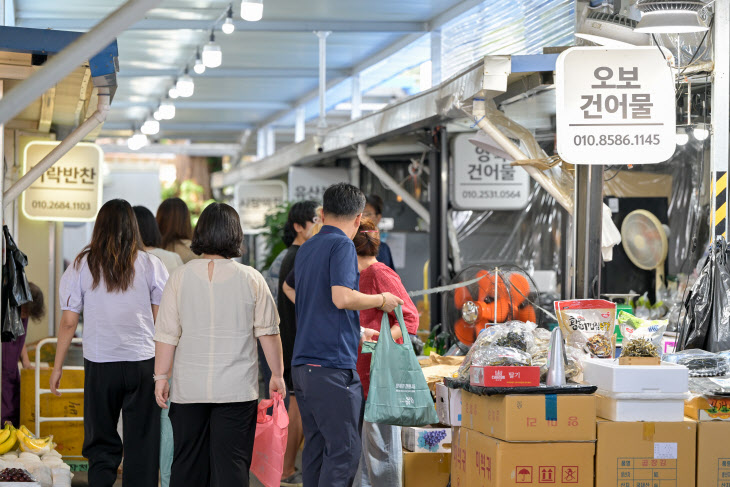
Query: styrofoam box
(448,405)
(655,410)
(609,376)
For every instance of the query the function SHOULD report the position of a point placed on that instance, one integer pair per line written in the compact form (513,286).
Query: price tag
(665,451)
(615,106)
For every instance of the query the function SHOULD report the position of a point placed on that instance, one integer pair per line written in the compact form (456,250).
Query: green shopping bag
(398,392)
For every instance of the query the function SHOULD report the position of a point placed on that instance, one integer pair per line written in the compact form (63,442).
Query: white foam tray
(663,410)
(609,376)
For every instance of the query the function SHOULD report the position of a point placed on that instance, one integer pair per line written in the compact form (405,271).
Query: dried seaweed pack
(588,324)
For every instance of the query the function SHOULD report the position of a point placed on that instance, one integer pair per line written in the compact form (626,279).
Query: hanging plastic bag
(398,392)
(706,324)
(15,289)
(269,446)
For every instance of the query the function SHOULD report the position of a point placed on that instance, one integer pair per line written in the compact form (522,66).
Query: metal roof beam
(193,150)
(241,26)
(195,127)
(268,73)
(206,105)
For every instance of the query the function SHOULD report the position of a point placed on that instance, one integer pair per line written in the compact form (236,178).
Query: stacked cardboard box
(713,430)
(525,439)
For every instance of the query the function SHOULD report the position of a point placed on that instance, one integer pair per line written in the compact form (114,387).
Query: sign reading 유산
(70,190)
(615,106)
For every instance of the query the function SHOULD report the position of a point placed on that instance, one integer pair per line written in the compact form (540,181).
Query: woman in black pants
(212,312)
(117,286)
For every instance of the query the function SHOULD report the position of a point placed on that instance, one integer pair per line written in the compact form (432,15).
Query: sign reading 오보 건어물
(70,190)
(486,181)
(256,199)
(615,106)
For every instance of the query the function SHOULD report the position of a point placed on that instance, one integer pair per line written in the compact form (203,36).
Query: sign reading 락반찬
(615,106)
(70,190)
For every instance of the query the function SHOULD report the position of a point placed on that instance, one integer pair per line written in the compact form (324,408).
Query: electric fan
(645,242)
(501,294)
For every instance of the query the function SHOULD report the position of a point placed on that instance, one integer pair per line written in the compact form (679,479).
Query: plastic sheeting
(499,27)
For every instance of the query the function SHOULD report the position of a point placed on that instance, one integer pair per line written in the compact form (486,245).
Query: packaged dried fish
(640,347)
(583,319)
(647,332)
(501,356)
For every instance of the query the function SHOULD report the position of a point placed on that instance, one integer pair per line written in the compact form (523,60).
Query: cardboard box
(713,454)
(426,440)
(651,454)
(711,408)
(69,435)
(495,463)
(489,376)
(631,407)
(448,405)
(532,417)
(426,469)
(458,456)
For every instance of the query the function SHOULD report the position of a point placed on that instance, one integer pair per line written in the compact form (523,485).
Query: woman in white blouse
(117,286)
(212,311)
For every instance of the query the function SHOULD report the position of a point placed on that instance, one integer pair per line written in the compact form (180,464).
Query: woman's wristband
(384,301)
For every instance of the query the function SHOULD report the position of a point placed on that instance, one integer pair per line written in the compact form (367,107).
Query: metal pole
(435,227)
(443,209)
(300,124)
(79,51)
(322,78)
(356,99)
(51,279)
(587,224)
(2,209)
(720,115)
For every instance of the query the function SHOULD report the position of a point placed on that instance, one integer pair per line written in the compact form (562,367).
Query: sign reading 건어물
(615,106)
(70,190)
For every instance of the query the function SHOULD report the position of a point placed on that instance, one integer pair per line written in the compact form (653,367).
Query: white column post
(356,101)
(261,143)
(720,114)
(436,57)
(299,124)
(322,78)
(270,141)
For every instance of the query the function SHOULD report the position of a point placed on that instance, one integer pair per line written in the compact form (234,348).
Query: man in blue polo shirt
(328,335)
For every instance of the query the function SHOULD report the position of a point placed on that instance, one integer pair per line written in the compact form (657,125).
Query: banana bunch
(8,439)
(29,443)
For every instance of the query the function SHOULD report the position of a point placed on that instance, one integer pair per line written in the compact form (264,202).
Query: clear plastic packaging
(588,324)
(41,472)
(699,362)
(501,356)
(485,338)
(573,365)
(646,335)
(515,334)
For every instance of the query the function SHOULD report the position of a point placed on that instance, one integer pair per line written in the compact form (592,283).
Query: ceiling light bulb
(137,141)
(167,110)
(173,93)
(701,132)
(252,10)
(199,66)
(150,127)
(158,115)
(670,17)
(682,137)
(228,27)
(212,54)
(185,86)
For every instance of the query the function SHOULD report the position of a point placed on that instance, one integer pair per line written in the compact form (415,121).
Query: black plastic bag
(706,324)
(15,289)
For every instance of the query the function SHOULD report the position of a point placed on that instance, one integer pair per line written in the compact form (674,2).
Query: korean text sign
(70,190)
(257,199)
(615,106)
(486,181)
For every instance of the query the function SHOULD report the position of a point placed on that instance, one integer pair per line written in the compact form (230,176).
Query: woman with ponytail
(117,286)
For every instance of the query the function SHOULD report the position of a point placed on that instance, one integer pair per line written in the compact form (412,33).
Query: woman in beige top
(212,311)
(173,219)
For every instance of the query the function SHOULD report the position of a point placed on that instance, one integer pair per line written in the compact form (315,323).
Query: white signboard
(615,106)
(70,190)
(309,183)
(485,181)
(256,199)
